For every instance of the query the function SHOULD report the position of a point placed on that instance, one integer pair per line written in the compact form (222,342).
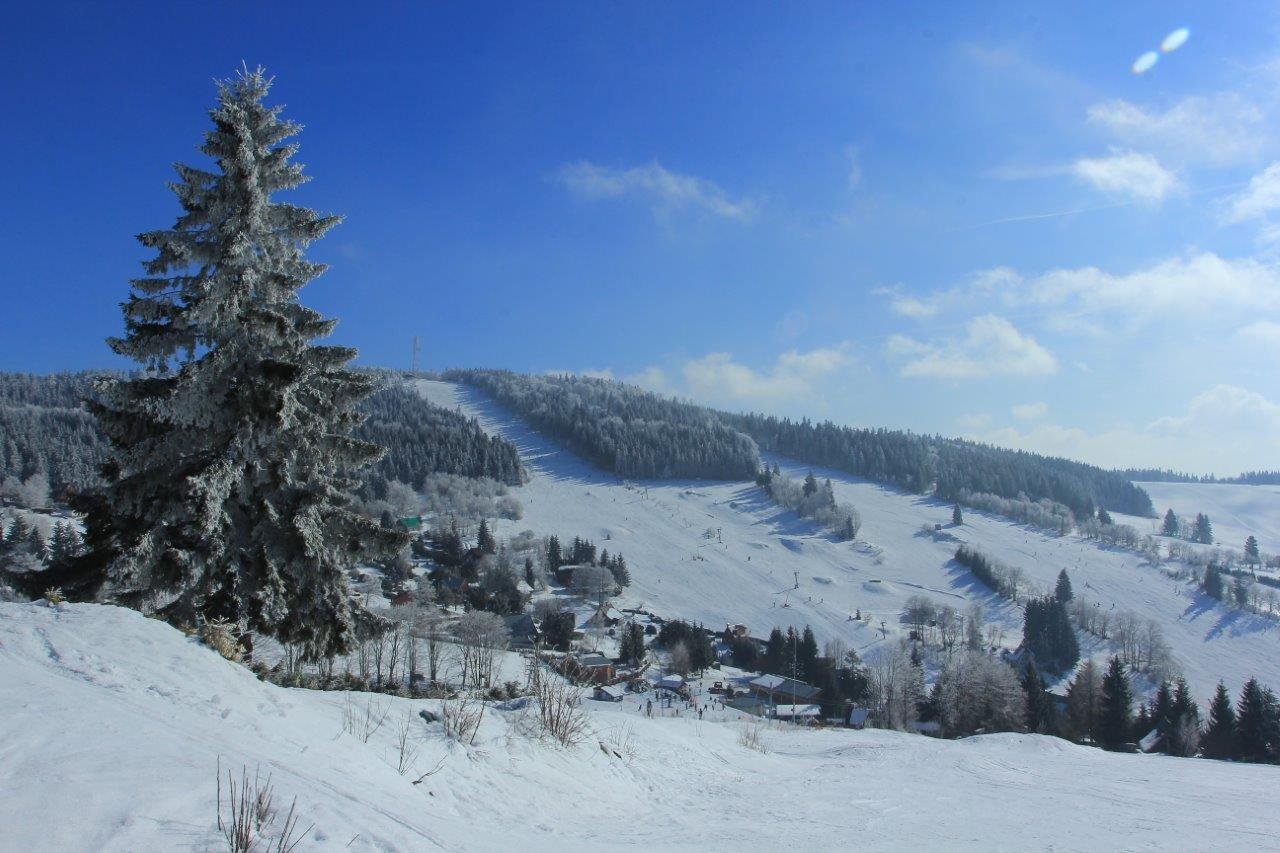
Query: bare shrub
(751,736)
(54,595)
(249,820)
(560,713)
(406,746)
(461,719)
(621,741)
(364,722)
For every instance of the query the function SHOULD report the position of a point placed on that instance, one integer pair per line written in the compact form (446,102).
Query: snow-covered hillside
(114,725)
(1235,511)
(718,552)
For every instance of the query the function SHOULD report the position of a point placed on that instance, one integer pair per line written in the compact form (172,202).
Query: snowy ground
(747,570)
(115,723)
(1235,511)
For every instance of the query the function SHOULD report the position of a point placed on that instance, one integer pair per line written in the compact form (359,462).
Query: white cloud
(1262,332)
(1195,288)
(974,421)
(1135,176)
(1225,430)
(1220,130)
(1181,286)
(991,347)
(1029,411)
(1259,199)
(665,190)
(718,376)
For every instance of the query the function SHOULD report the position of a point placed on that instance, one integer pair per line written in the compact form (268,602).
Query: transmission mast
(417,351)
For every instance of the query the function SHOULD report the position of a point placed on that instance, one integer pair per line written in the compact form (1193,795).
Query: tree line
(947,467)
(1165,475)
(47,433)
(623,429)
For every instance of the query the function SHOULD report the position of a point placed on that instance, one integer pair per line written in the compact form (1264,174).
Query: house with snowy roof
(779,687)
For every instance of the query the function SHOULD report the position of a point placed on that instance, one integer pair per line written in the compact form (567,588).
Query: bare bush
(364,721)
(560,713)
(481,635)
(461,718)
(249,819)
(751,736)
(406,746)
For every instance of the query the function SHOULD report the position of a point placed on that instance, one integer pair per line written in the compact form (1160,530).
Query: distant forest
(621,428)
(1163,475)
(44,428)
(635,433)
(424,439)
(948,467)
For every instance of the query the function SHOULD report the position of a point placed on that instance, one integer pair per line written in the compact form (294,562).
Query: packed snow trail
(115,723)
(746,570)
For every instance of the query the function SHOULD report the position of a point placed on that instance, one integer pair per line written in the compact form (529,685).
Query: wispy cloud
(1259,200)
(664,189)
(718,376)
(1219,130)
(991,346)
(1128,174)
(1224,429)
(1029,411)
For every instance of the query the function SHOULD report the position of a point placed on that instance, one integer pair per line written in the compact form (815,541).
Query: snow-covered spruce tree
(227,491)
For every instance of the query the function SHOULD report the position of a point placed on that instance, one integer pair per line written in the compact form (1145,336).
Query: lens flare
(1144,63)
(1175,40)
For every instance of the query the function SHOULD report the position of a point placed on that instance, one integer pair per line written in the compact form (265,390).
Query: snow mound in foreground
(114,724)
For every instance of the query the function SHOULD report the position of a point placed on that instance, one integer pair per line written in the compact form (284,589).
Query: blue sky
(970,222)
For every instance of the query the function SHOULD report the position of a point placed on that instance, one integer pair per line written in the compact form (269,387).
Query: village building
(805,715)
(778,688)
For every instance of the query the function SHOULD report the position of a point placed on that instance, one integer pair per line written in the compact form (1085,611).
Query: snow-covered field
(746,571)
(1235,511)
(114,725)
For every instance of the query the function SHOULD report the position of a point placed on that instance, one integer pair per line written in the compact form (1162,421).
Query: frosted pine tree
(227,493)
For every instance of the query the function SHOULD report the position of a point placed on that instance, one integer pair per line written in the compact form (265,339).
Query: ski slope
(1235,511)
(747,572)
(115,725)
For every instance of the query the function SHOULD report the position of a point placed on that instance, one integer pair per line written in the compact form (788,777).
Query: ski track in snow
(660,527)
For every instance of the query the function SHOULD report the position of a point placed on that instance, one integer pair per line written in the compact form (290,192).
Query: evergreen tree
(1240,591)
(554,558)
(1212,583)
(485,540)
(529,576)
(1062,591)
(1170,526)
(17,534)
(1251,555)
(957,518)
(1184,736)
(1104,517)
(1162,716)
(810,484)
(1257,724)
(631,652)
(227,492)
(1220,736)
(1203,530)
(807,654)
(618,567)
(1115,711)
(1040,711)
(775,653)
